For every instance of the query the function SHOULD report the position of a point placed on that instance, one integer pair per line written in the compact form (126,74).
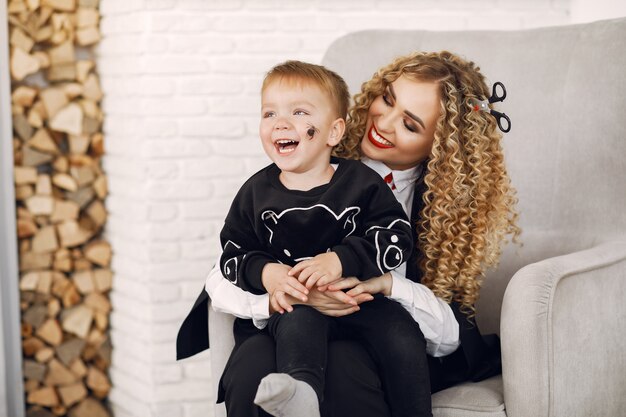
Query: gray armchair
(559,301)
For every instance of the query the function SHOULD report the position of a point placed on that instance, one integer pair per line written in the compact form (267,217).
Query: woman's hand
(282,288)
(381,284)
(335,303)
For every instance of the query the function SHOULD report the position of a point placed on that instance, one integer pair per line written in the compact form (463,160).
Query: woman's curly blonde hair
(469,203)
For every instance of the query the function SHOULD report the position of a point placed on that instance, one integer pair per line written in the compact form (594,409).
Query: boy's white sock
(282,396)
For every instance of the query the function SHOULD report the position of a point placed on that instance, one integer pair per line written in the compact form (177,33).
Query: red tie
(389,180)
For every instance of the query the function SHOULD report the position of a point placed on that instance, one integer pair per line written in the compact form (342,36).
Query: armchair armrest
(563,335)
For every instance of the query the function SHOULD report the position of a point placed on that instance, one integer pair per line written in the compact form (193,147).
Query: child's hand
(321,270)
(279,284)
(381,284)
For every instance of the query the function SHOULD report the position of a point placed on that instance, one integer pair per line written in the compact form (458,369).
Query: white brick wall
(181,82)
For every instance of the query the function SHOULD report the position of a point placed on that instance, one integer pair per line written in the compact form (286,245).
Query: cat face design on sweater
(300,233)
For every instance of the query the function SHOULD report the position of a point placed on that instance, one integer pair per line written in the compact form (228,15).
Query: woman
(414,123)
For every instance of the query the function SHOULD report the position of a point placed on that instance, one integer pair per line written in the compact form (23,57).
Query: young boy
(305,221)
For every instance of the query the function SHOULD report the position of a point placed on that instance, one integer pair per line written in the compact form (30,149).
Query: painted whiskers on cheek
(311,131)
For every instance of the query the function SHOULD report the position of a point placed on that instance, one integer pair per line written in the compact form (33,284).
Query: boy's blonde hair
(328,81)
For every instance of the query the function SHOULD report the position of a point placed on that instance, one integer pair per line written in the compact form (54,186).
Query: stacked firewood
(60,189)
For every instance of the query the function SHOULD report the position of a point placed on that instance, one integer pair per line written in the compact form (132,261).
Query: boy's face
(289,110)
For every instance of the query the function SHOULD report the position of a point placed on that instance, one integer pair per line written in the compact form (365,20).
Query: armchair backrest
(566,152)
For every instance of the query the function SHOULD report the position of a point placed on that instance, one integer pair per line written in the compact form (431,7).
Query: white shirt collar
(401,179)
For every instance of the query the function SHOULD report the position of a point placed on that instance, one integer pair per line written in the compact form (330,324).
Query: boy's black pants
(383,326)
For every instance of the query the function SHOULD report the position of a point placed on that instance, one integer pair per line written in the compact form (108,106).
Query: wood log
(50,332)
(68,120)
(32,157)
(24,175)
(44,185)
(62,72)
(99,252)
(71,234)
(65,182)
(45,282)
(84,281)
(59,410)
(77,320)
(63,5)
(45,240)
(35,315)
(89,408)
(60,284)
(58,374)
(54,99)
(54,307)
(23,64)
(101,320)
(35,116)
(78,368)
(32,5)
(43,34)
(71,297)
(88,35)
(21,126)
(91,109)
(42,141)
(34,370)
(29,386)
(100,187)
(45,396)
(92,90)
(24,96)
(26,329)
(83,196)
(97,145)
(31,346)
(72,394)
(16,7)
(98,302)
(29,281)
(83,175)
(98,382)
(64,210)
(62,54)
(61,164)
(62,260)
(90,125)
(21,40)
(92,4)
(44,355)
(95,339)
(103,279)
(31,261)
(73,90)
(83,68)
(87,17)
(97,212)
(70,350)
(40,205)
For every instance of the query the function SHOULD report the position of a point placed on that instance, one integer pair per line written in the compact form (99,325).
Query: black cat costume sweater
(355,215)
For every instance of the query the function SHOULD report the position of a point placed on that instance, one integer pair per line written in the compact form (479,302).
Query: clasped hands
(318,282)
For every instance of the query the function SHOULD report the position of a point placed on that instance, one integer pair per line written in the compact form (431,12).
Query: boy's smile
(285,146)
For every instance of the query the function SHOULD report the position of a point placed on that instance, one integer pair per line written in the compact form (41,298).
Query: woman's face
(400,126)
